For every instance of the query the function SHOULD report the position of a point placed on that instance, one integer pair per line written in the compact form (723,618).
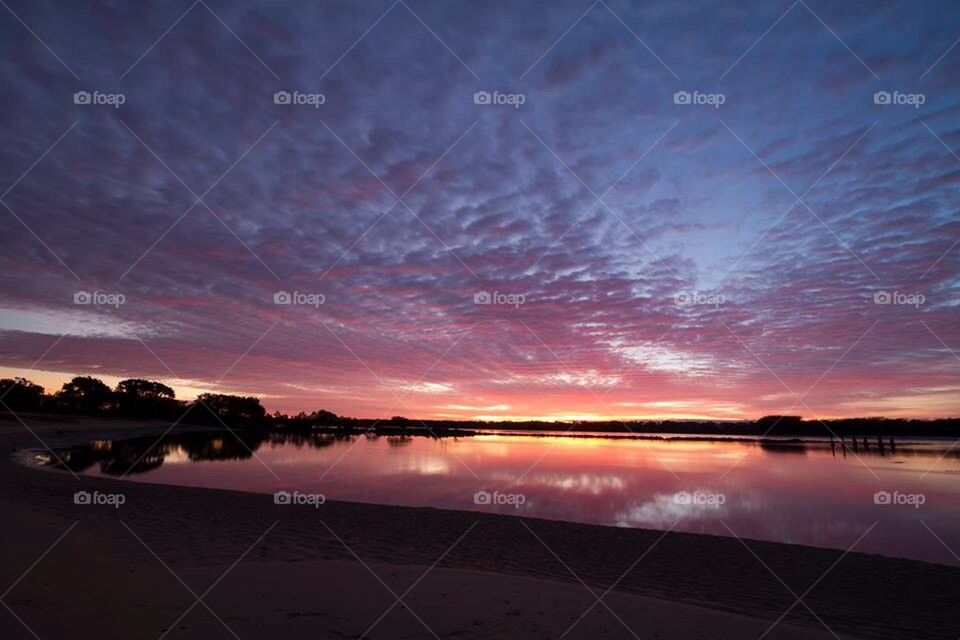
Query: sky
(492,210)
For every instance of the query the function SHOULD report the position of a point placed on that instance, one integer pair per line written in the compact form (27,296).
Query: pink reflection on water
(814,495)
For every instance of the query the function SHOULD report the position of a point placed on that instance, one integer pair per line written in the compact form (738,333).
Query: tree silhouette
(233,410)
(146,398)
(21,395)
(774,425)
(84,395)
(145,389)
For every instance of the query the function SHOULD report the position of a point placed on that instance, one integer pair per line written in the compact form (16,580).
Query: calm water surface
(811,494)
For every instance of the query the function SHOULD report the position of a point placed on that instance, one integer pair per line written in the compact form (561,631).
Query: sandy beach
(347,570)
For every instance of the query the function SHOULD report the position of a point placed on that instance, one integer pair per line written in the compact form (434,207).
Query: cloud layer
(653,257)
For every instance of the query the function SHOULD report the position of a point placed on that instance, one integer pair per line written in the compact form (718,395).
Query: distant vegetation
(132,398)
(138,398)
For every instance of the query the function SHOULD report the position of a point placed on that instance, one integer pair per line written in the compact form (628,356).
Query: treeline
(138,398)
(132,398)
(149,399)
(767,426)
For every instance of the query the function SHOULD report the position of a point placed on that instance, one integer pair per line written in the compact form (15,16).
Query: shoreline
(695,577)
(767,428)
(112,428)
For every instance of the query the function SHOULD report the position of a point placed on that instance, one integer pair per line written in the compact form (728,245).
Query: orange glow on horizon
(580,404)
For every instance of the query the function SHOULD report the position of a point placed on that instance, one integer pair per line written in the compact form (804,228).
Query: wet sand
(267,571)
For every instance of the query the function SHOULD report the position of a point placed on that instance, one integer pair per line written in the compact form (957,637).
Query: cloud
(304,199)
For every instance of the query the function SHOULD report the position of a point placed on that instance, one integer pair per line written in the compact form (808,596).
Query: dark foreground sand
(273,571)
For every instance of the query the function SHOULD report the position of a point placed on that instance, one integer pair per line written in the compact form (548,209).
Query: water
(811,494)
